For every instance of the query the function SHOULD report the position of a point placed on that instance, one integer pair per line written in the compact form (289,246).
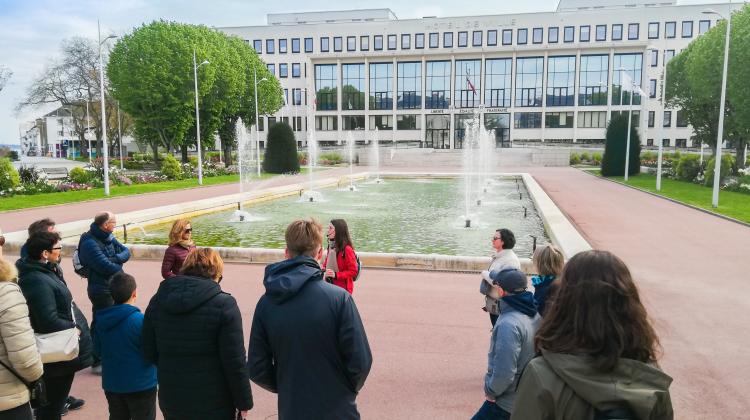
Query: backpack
(359,266)
(78,266)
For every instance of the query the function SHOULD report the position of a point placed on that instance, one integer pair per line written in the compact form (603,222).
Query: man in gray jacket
(511,346)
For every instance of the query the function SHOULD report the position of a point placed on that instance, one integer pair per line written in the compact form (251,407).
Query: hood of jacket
(182,294)
(100,234)
(110,318)
(28,265)
(640,386)
(522,302)
(284,279)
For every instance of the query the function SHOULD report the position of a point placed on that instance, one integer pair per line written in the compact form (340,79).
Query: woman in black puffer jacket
(192,332)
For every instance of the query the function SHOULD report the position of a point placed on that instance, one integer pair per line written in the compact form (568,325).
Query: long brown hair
(341,238)
(599,313)
(175,234)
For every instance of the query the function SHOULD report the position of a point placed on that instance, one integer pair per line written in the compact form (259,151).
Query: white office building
(534,77)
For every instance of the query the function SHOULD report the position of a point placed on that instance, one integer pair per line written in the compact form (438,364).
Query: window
(297,123)
(665,142)
(601,32)
(297,96)
(687,29)
(651,118)
(364,43)
(670,29)
(507,36)
(352,122)
(703,26)
(653,30)
(271,121)
(681,121)
(405,41)
(408,122)
(537,35)
(593,79)
(463,39)
(569,33)
(324,44)
(295,45)
(269,46)
(476,39)
(282,46)
(353,86)
(382,122)
(283,70)
(633,31)
(296,70)
(351,43)
(258,46)
(527,120)
(667,119)
(635,119)
(438,85)
(261,120)
(308,45)
(668,54)
(584,34)
(592,119)
(522,36)
(377,42)
(338,44)
(467,83)
(680,143)
(654,58)
(491,38)
(561,76)
(558,120)
(392,42)
(326,87)
(326,123)
(497,91)
(553,34)
(434,40)
(381,86)
(617,32)
(409,85)
(633,65)
(419,41)
(529,75)
(271,68)
(447,39)
(652,88)
(649,142)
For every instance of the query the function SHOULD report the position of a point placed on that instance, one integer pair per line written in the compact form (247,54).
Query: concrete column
(512,121)
(422,115)
(576,85)
(339,96)
(544,93)
(451,108)
(610,82)
(367,98)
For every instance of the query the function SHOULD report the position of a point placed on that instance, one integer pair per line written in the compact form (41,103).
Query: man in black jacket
(307,341)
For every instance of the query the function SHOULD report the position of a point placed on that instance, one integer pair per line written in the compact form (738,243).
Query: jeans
(58,388)
(491,411)
(139,405)
(22,412)
(99,301)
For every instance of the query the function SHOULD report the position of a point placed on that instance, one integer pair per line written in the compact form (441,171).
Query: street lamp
(664,106)
(197,119)
(257,132)
(105,147)
(119,137)
(720,133)
(630,116)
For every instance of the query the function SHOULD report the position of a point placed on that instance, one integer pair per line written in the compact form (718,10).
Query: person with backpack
(341,264)
(598,350)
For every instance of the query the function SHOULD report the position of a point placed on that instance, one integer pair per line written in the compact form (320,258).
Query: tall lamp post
(197,119)
(257,132)
(119,137)
(105,147)
(720,133)
(664,106)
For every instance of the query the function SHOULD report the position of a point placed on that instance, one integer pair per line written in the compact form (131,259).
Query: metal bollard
(125,233)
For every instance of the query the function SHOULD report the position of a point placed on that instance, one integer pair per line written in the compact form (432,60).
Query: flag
(629,85)
(471,86)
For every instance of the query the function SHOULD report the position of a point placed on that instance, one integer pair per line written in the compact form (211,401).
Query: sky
(31,30)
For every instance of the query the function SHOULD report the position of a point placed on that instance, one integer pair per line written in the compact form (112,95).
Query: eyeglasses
(189,230)
(496,238)
(55,247)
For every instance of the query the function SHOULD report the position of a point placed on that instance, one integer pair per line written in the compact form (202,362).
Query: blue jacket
(103,255)
(117,339)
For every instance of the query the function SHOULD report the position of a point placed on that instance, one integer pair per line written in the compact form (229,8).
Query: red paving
(429,338)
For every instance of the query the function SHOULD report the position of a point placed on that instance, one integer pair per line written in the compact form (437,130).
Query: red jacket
(174,256)
(347,263)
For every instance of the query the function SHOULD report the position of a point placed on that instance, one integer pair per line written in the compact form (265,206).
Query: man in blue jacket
(129,381)
(307,341)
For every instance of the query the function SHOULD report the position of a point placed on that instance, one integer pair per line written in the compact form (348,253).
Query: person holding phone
(340,263)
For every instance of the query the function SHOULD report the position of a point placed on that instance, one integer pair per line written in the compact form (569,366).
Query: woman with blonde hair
(180,245)
(192,332)
(548,262)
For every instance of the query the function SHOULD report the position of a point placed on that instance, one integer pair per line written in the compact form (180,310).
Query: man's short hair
(41,226)
(304,237)
(101,218)
(40,242)
(509,239)
(122,285)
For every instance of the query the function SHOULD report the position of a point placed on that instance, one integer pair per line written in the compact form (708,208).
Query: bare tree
(5,74)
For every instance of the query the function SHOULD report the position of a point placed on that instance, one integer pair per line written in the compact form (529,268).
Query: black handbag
(37,389)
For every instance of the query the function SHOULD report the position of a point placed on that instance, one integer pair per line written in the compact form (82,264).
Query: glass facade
(593,78)
(633,66)
(467,84)
(408,122)
(437,130)
(529,77)
(438,85)
(409,85)
(561,76)
(497,91)
(352,86)
(326,87)
(381,86)
(527,120)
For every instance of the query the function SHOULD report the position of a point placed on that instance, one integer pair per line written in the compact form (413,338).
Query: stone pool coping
(561,231)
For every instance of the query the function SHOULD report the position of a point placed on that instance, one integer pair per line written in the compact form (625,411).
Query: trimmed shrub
(281,151)
(79,175)
(613,161)
(28,175)
(688,167)
(133,164)
(596,157)
(575,159)
(585,157)
(170,168)
(727,163)
(13,155)
(9,177)
(330,158)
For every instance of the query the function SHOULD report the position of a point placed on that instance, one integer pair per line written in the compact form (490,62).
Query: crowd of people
(579,346)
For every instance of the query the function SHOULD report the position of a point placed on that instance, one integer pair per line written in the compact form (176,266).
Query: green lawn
(732,204)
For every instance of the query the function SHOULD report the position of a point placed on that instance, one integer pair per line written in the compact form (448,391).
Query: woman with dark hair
(51,310)
(192,332)
(180,244)
(340,264)
(598,350)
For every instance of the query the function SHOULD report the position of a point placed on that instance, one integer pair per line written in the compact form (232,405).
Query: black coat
(192,332)
(308,343)
(49,301)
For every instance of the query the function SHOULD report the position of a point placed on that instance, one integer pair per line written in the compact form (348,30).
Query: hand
(243,414)
(330,273)
(490,399)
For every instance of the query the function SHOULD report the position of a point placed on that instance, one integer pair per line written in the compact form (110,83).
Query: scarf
(537,280)
(522,302)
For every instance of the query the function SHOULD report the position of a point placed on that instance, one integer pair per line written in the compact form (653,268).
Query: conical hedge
(613,161)
(281,150)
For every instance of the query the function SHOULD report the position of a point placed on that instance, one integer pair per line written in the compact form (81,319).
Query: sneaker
(64,411)
(74,403)
(96,370)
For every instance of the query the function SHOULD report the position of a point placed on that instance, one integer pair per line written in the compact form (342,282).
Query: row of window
(284,69)
(489,38)
(667,119)
(681,143)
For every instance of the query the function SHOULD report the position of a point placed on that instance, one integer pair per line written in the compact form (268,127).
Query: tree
(613,161)
(281,153)
(5,74)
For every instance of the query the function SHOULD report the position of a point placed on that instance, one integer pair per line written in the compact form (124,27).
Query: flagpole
(627,143)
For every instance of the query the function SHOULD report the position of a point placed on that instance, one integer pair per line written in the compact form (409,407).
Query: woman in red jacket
(340,264)
(180,245)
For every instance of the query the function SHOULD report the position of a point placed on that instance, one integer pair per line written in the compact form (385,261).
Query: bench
(56,173)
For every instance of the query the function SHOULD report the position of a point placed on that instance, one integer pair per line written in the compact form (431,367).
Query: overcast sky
(31,30)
